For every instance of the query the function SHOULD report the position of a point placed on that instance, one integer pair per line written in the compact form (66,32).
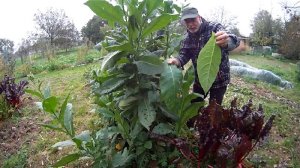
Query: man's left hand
(222,39)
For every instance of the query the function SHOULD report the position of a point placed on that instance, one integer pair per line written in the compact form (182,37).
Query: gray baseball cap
(189,12)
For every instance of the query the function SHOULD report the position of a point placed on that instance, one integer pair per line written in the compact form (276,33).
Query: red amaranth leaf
(244,147)
(12,92)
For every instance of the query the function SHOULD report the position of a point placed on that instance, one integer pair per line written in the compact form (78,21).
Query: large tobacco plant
(137,92)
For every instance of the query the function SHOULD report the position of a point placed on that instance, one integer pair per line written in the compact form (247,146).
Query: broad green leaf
(148,145)
(84,136)
(122,125)
(151,5)
(78,143)
(128,102)
(50,104)
(168,114)
(63,109)
(208,63)
(68,119)
(130,5)
(146,113)
(151,59)
(177,8)
(149,65)
(67,159)
(168,6)
(63,144)
(110,85)
(120,159)
(110,59)
(122,47)
(153,96)
(162,129)
(187,111)
(170,85)
(107,11)
(35,93)
(53,127)
(159,23)
(188,80)
(105,112)
(47,91)
(136,130)
(133,29)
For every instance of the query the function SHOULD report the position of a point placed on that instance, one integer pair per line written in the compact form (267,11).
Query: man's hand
(173,61)
(222,39)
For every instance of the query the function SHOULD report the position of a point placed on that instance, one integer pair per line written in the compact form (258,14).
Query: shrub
(88,59)
(56,65)
(81,54)
(23,70)
(38,68)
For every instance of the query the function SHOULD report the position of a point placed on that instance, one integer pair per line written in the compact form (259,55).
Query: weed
(18,160)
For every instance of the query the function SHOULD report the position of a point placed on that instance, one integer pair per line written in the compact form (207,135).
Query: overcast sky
(16,16)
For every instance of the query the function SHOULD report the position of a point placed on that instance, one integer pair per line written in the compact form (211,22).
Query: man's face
(192,24)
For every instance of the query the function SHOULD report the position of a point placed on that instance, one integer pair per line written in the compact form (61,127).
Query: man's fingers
(219,33)
(171,61)
(222,37)
(221,41)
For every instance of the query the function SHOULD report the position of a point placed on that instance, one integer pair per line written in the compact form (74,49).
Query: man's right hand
(173,61)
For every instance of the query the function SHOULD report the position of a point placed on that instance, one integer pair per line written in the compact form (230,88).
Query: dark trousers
(214,93)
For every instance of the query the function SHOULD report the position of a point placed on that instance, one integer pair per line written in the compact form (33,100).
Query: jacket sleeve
(233,42)
(184,54)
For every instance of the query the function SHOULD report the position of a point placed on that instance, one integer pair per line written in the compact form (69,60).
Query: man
(198,33)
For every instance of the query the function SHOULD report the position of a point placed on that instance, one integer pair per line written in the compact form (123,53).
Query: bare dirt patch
(15,134)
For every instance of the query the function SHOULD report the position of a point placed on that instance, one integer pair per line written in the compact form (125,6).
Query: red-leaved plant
(12,91)
(222,137)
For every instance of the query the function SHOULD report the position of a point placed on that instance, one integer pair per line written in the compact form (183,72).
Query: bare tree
(290,42)
(222,16)
(24,49)
(56,27)
(292,9)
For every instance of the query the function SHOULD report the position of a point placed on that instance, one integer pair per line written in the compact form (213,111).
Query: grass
(59,62)
(17,160)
